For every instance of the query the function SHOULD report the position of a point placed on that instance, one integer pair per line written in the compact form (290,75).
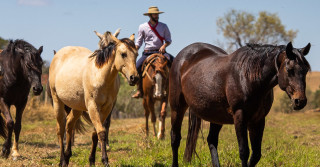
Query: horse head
(292,74)
(160,76)
(29,58)
(124,53)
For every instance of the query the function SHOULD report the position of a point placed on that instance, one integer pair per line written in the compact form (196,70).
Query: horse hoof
(5,154)
(160,136)
(15,158)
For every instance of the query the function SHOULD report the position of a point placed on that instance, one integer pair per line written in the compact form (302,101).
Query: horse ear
(117,33)
(98,34)
(113,38)
(132,37)
(40,50)
(306,49)
(290,54)
(54,52)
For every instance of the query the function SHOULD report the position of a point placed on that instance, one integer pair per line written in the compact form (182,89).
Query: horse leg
(98,117)
(106,125)
(58,107)
(242,136)
(256,133)
(212,140)
(10,124)
(153,117)
(17,130)
(162,124)
(146,114)
(92,157)
(72,118)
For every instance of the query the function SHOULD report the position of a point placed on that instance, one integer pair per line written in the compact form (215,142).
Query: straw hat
(153,10)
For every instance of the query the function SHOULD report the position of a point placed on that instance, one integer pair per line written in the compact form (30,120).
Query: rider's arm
(140,38)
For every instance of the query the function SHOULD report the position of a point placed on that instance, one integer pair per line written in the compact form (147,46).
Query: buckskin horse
(22,66)
(79,126)
(86,81)
(232,89)
(155,87)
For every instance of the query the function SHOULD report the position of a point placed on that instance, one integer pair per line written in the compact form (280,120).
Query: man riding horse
(156,36)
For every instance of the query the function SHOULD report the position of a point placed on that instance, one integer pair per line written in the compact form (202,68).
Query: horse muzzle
(37,90)
(133,80)
(299,103)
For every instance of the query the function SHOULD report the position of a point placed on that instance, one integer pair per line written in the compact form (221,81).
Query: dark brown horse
(22,66)
(232,89)
(155,87)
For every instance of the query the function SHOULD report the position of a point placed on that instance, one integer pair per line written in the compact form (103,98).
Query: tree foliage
(240,27)
(3,43)
(316,99)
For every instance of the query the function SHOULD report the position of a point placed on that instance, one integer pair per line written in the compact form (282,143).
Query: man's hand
(162,49)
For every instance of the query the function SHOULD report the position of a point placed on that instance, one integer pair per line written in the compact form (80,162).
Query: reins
(149,63)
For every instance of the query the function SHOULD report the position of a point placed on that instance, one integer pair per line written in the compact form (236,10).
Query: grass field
(289,140)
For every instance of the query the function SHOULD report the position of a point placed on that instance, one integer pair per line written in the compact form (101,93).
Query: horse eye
(290,72)
(124,55)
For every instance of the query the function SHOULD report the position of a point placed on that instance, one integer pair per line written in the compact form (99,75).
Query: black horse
(232,89)
(22,66)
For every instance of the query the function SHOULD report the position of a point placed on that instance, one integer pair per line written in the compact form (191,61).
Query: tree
(240,27)
(316,99)
(3,43)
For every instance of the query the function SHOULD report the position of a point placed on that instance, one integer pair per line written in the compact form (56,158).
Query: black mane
(31,57)
(251,58)
(104,54)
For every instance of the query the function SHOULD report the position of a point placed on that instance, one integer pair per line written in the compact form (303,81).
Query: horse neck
(107,73)
(13,73)
(270,72)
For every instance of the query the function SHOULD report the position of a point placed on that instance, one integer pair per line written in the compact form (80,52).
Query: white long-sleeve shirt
(152,42)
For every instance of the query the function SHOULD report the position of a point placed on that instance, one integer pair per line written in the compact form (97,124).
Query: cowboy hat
(153,10)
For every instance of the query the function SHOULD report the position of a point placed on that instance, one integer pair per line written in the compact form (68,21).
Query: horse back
(66,75)
(193,64)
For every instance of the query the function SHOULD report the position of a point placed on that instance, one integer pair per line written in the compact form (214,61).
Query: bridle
(158,65)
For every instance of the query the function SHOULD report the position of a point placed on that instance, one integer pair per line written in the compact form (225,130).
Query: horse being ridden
(155,85)
(232,89)
(86,81)
(23,67)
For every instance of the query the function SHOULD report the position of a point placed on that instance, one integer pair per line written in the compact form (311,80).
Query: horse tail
(79,126)
(193,131)
(49,92)
(3,127)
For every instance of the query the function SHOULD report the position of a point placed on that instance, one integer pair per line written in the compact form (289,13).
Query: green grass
(289,140)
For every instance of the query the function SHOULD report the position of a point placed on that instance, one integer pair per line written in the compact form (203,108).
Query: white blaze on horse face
(158,85)
(125,61)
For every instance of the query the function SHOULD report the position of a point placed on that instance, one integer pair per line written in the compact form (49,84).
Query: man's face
(154,17)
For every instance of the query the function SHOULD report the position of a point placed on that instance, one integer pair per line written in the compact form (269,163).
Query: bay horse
(155,85)
(89,81)
(232,89)
(22,64)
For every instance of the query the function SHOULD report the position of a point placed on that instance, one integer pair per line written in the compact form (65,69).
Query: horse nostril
(37,89)
(296,101)
(131,78)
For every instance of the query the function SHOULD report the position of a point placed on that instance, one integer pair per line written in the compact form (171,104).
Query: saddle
(149,60)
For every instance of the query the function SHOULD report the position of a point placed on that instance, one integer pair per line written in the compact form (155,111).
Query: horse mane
(251,58)
(104,54)
(31,57)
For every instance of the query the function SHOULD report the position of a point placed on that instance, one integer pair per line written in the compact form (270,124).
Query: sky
(55,24)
